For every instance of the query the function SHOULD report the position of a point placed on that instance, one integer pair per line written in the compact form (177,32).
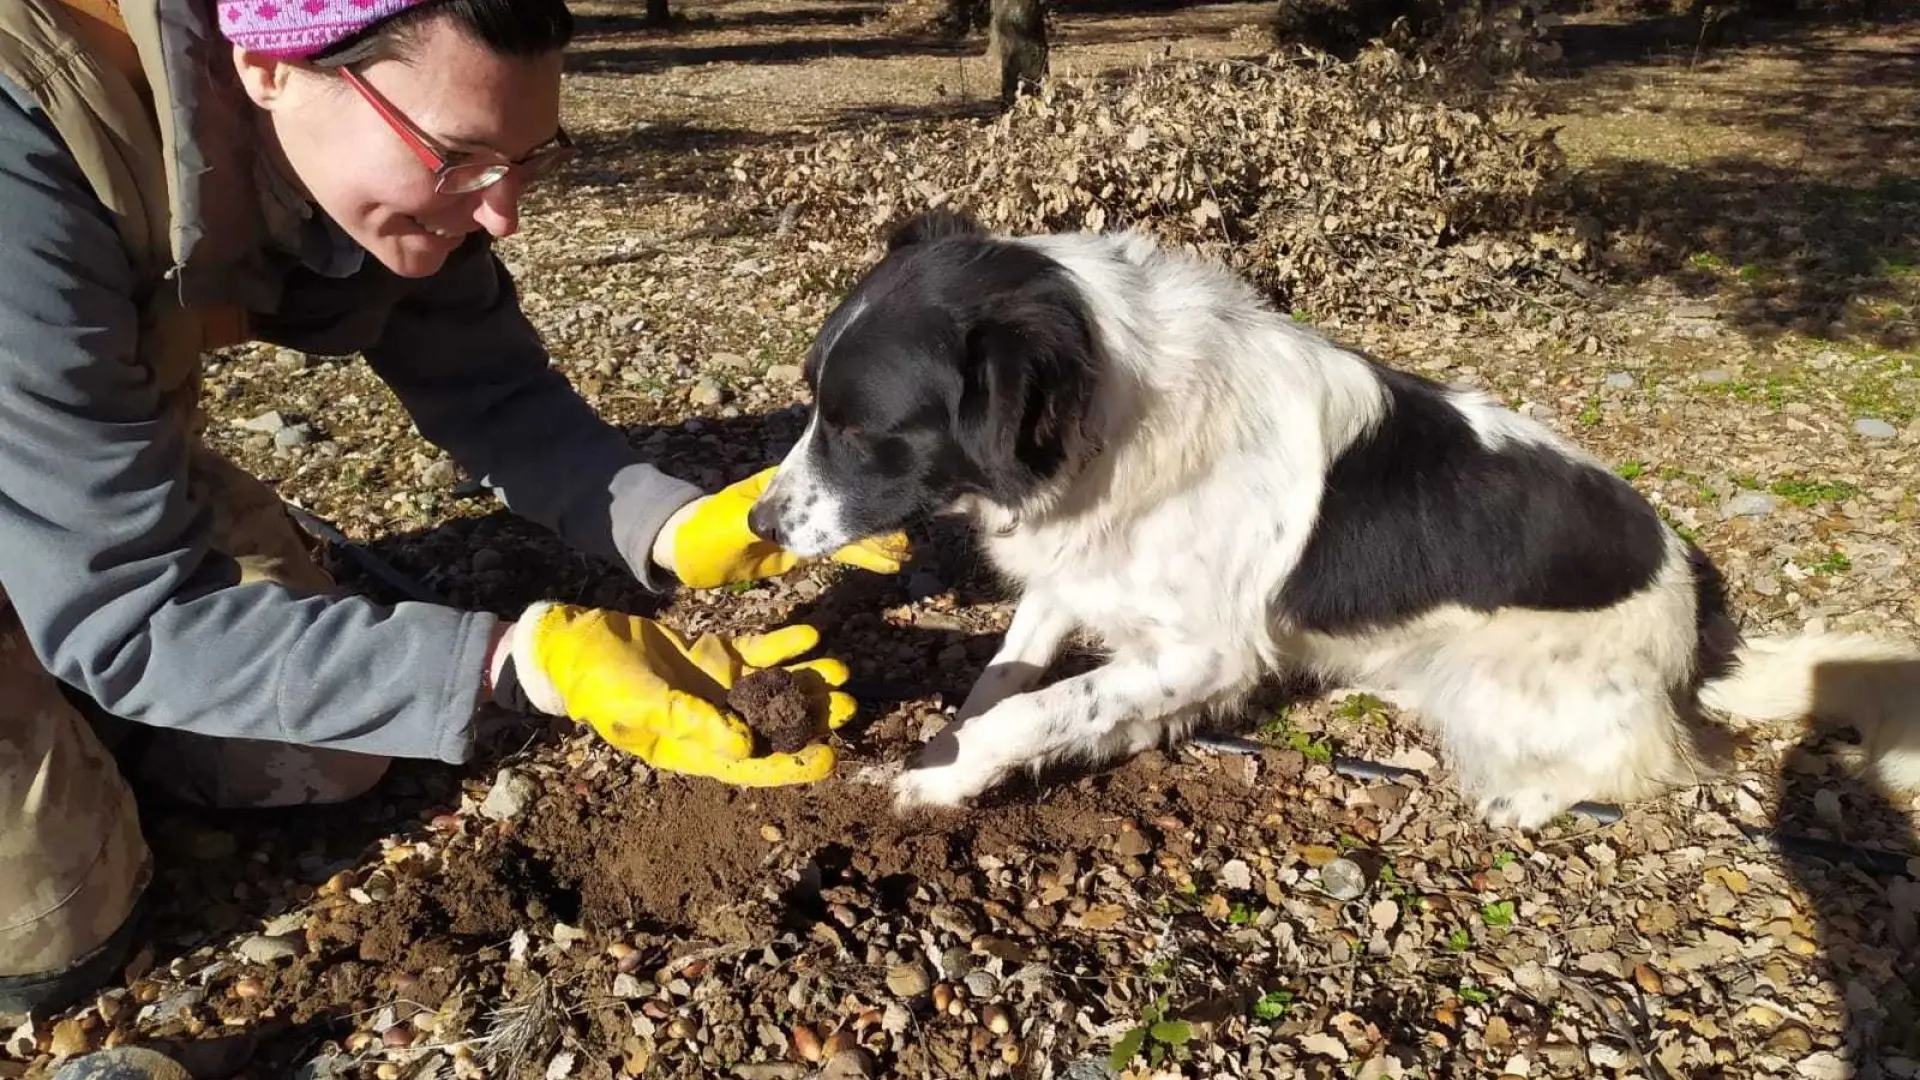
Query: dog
(1153,454)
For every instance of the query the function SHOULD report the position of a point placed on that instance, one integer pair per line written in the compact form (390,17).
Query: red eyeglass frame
(454,172)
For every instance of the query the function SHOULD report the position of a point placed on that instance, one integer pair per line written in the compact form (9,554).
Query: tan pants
(72,858)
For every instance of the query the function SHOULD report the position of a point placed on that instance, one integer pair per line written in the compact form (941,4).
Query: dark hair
(508,27)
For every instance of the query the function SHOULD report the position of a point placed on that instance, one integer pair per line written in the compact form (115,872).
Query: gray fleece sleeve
(473,374)
(108,563)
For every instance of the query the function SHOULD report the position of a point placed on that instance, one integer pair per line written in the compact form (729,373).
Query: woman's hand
(708,544)
(644,689)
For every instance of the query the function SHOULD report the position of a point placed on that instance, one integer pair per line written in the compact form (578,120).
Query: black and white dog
(1157,456)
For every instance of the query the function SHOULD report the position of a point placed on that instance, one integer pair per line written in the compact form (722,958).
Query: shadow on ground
(1863,901)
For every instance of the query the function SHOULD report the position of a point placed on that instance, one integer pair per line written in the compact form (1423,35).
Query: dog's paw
(1526,809)
(935,786)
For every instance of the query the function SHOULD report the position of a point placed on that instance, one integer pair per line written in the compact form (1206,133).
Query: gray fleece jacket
(108,564)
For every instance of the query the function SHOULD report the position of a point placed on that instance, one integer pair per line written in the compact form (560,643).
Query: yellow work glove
(708,543)
(645,690)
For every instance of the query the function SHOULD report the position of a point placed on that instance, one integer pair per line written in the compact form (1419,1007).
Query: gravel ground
(558,910)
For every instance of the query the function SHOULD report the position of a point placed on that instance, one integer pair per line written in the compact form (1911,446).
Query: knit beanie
(297,29)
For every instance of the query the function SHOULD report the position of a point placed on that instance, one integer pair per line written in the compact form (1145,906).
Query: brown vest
(90,64)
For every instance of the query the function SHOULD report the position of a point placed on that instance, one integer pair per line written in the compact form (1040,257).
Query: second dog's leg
(1071,716)
(1033,641)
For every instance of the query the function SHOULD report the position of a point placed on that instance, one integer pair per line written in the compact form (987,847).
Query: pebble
(70,1039)
(786,373)
(1715,377)
(908,980)
(954,920)
(981,984)
(1343,879)
(295,435)
(509,796)
(706,391)
(1751,504)
(1619,380)
(264,949)
(440,474)
(267,423)
(854,1064)
(1874,428)
(1236,874)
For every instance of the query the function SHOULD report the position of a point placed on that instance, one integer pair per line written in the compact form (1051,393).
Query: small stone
(771,834)
(70,1039)
(681,1028)
(267,423)
(908,980)
(1874,428)
(1343,879)
(786,373)
(854,1064)
(954,920)
(707,392)
(627,985)
(1619,380)
(981,984)
(1132,844)
(1715,378)
(509,796)
(1236,874)
(730,361)
(1751,504)
(296,435)
(248,987)
(268,950)
(439,474)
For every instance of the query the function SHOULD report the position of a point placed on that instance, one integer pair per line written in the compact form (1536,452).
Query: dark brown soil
(778,709)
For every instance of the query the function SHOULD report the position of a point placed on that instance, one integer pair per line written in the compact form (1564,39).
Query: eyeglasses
(455,172)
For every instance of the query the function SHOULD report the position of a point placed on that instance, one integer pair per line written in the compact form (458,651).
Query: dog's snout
(764,519)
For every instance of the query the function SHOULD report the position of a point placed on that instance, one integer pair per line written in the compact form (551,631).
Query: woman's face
(361,172)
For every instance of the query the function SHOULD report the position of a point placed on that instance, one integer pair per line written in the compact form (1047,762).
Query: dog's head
(961,364)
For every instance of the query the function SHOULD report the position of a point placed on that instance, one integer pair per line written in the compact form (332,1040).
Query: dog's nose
(764,520)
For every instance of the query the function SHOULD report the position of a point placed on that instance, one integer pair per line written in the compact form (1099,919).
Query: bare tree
(1017,44)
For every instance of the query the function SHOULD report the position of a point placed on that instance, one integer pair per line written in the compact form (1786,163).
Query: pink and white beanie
(297,29)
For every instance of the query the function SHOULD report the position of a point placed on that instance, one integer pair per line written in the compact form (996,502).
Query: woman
(326,175)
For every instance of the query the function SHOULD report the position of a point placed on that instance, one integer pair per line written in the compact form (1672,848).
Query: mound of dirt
(1349,190)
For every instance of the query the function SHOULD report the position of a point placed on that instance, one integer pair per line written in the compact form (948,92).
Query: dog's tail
(1849,680)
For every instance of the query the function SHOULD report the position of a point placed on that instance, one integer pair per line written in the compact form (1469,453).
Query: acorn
(806,1043)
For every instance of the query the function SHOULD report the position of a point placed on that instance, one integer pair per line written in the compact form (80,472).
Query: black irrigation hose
(1872,860)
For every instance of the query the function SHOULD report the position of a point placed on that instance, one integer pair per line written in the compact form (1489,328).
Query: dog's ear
(1028,384)
(931,225)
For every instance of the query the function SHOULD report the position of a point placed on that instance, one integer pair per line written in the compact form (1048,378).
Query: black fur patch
(1419,513)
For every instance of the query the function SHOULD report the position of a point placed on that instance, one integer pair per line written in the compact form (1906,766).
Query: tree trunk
(1017,44)
(658,13)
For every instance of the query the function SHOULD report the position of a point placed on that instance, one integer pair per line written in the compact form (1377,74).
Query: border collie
(1155,455)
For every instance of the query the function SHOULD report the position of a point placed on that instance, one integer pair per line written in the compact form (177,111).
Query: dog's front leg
(1070,718)
(1039,627)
